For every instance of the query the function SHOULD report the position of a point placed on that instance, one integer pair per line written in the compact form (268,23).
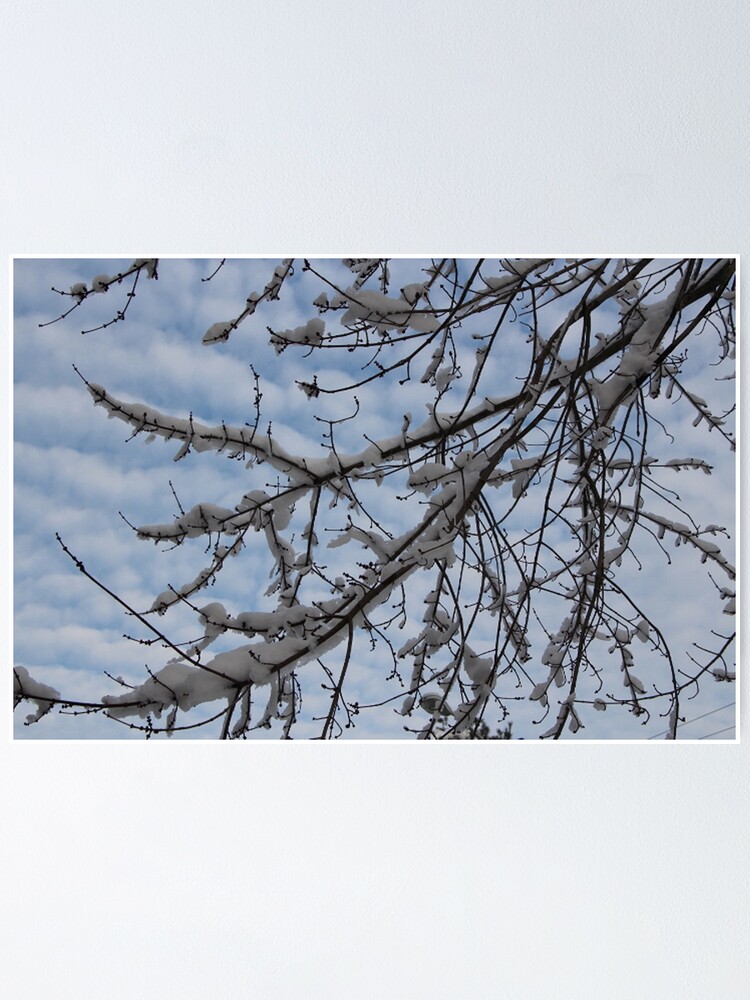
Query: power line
(730,705)
(716,733)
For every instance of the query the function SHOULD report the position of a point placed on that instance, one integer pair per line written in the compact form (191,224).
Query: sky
(77,474)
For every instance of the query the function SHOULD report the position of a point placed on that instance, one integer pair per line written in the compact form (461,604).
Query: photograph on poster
(374,498)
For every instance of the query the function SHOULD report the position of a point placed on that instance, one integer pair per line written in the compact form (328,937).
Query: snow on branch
(25,688)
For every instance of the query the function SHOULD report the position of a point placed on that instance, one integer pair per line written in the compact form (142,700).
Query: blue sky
(75,471)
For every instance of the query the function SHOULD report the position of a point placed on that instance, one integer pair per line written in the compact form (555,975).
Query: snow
(218,331)
(309,334)
(27,689)
(479,668)
(413,292)
(638,358)
(524,470)
(202,519)
(386,313)
(428,476)
(150,264)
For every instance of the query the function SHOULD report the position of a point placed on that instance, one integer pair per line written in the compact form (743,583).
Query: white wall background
(372,870)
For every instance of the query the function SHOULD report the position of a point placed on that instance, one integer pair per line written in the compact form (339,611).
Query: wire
(708,735)
(730,705)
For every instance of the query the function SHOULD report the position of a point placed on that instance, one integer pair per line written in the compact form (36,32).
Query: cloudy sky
(76,473)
